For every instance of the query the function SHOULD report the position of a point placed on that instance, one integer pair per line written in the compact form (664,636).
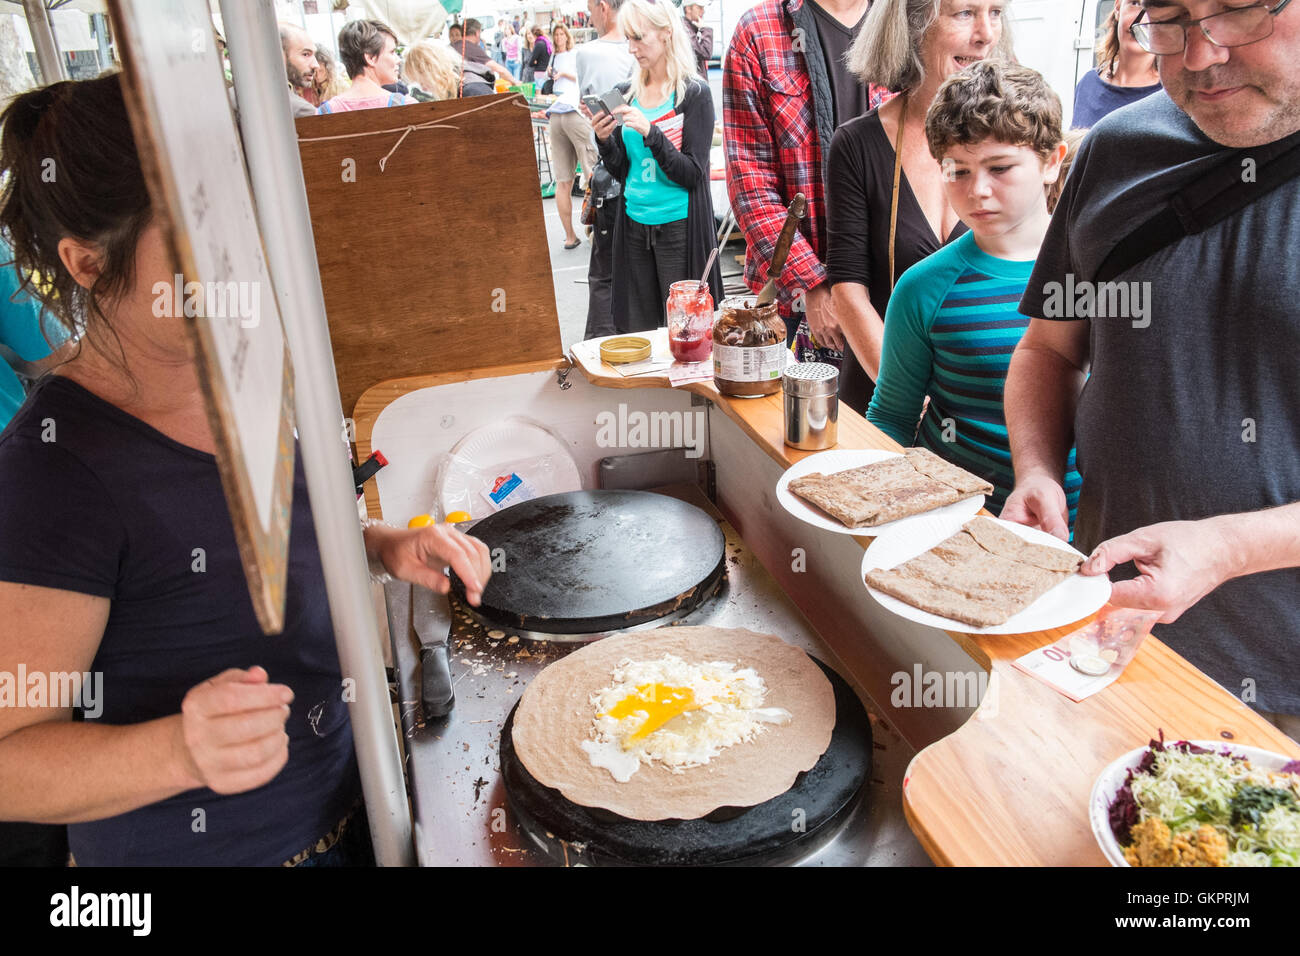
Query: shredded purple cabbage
(1123,810)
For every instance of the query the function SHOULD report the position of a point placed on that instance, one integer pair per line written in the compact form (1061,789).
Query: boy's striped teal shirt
(950,329)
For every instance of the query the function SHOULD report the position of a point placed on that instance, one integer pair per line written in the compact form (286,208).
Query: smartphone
(595,104)
(612,100)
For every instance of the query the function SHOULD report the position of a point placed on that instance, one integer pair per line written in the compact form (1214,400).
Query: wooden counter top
(1011,786)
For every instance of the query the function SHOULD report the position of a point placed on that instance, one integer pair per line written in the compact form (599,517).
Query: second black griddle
(772,832)
(588,561)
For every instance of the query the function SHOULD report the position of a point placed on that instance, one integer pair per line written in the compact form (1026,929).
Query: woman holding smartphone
(657,144)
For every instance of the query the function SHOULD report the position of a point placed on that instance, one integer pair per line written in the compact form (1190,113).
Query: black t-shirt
(859,193)
(98,502)
(849,93)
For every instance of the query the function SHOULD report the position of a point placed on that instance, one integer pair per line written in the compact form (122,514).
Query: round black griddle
(588,561)
(811,809)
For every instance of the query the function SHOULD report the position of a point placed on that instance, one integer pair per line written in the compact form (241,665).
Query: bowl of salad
(1198,803)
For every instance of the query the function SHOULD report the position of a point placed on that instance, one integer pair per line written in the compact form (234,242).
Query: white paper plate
(1073,599)
(842,459)
(495,445)
(1112,778)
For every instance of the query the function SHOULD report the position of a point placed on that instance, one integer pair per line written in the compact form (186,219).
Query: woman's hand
(232,730)
(604,124)
(633,118)
(420,555)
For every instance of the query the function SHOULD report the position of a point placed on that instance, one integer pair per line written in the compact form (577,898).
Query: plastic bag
(486,490)
(1091,658)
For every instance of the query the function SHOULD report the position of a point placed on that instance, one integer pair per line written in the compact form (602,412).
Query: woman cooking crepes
(216,744)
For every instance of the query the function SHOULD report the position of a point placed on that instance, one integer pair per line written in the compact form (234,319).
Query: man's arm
(702,42)
(754,180)
(1179,562)
(1047,372)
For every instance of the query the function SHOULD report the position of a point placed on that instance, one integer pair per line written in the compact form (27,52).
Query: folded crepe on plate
(676,722)
(983,575)
(872,495)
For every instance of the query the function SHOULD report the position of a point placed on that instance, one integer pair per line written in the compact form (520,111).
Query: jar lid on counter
(625,349)
(810,379)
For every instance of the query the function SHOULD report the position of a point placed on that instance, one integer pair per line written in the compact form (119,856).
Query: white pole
(271,145)
(48,57)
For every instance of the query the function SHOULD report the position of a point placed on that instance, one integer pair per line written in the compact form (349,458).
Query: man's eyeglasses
(1236,27)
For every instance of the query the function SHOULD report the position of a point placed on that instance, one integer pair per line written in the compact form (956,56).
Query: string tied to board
(441,123)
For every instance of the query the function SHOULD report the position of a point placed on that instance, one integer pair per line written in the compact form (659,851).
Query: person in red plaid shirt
(785,87)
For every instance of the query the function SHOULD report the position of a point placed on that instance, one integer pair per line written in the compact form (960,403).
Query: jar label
(740,363)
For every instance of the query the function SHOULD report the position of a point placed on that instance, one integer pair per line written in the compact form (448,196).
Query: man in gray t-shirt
(605,62)
(1188,428)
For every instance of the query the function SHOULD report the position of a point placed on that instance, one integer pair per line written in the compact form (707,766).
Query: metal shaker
(812,405)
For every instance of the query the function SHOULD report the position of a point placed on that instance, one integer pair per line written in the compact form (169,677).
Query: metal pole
(271,145)
(101,37)
(48,57)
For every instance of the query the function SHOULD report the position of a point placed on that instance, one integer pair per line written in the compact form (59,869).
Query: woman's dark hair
(70,170)
(359,39)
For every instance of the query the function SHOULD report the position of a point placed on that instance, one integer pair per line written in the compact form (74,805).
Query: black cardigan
(688,167)
(541,56)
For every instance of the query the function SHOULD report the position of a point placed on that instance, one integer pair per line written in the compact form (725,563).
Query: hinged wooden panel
(439,261)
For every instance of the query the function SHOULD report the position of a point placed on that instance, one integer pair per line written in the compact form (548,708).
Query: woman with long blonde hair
(657,145)
(1125,72)
(570,131)
(432,70)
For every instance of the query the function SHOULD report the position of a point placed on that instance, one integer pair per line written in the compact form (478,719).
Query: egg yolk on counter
(659,702)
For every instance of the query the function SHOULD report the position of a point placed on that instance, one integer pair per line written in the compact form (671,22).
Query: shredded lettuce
(1257,811)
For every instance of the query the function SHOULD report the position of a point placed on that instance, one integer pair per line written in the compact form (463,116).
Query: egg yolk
(659,702)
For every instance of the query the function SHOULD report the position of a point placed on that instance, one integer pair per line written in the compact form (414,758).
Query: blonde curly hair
(433,68)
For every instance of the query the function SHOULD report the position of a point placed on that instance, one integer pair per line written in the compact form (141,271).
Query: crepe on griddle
(555,716)
(982,575)
(887,490)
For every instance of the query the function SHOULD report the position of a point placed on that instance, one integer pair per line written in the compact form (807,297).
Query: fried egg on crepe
(701,709)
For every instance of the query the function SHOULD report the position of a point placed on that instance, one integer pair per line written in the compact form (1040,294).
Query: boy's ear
(1052,164)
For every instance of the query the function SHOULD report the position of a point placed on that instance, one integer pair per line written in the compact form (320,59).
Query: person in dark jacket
(701,37)
(539,59)
(658,147)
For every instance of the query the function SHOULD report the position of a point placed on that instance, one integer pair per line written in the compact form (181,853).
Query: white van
(1058,39)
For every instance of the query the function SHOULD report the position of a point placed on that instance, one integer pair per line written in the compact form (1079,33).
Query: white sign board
(193,162)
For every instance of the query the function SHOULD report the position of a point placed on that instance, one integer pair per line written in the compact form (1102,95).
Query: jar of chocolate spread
(749,350)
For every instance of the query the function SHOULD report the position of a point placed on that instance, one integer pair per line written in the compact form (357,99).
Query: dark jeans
(600,272)
(656,258)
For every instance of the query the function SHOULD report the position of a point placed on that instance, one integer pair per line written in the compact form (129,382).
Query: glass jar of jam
(749,350)
(690,321)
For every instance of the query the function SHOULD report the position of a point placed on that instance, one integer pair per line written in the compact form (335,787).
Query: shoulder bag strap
(893,203)
(1207,201)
